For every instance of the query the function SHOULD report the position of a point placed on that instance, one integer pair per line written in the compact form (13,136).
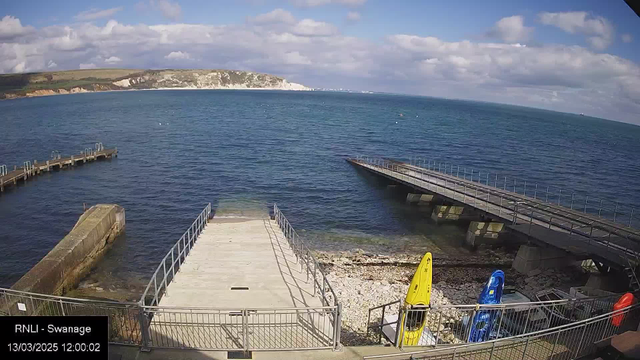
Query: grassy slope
(19,83)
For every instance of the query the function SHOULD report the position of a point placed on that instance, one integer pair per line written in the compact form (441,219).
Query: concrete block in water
(447,212)
(483,233)
(532,257)
(70,260)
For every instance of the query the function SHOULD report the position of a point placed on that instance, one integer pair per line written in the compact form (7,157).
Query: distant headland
(77,81)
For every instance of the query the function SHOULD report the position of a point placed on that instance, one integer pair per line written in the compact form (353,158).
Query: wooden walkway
(584,235)
(29,170)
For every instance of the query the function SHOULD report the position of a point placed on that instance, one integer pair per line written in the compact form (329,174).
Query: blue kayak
(484,320)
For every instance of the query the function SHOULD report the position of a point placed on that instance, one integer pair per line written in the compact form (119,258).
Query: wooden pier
(31,169)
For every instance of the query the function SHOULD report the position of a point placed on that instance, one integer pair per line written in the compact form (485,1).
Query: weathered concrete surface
(233,253)
(532,257)
(62,268)
(448,212)
(483,233)
(240,264)
(420,199)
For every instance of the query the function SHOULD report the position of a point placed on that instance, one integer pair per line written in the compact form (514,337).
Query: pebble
(364,280)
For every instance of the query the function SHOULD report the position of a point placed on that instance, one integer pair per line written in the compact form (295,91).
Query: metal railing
(457,324)
(564,342)
(245,329)
(518,209)
(241,329)
(207,328)
(611,210)
(124,318)
(303,254)
(170,264)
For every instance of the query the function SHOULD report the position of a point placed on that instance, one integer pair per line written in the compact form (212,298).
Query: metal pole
(525,188)
(535,192)
(495,185)
(546,198)
(338,326)
(572,195)
(526,345)
(553,349)
(245,330)
(458,173)
(615,212)
(514,186)
(586,200)
(631,216)
(581,338)
(438,328)
(505,183)
(600,210)
(559,195)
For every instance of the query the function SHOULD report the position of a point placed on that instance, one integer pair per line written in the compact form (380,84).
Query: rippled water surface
(243,150)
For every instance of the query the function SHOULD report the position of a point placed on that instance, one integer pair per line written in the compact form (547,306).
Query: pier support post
(481,232)
(532,257)
(420,199)
(447,212)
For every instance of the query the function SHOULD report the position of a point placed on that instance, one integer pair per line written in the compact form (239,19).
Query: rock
(534,272)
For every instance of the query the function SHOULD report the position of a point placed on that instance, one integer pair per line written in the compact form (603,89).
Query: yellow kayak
(418,297)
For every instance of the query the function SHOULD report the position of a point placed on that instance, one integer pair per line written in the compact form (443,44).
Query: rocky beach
(363,280)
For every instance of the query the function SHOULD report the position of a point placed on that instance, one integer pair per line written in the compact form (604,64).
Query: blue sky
(576,56)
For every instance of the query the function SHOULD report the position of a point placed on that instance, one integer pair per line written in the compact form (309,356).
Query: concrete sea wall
(70,260)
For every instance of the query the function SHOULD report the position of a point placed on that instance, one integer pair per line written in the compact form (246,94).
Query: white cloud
(178,55)
(353,16)
(87,66)
(511,29)
(627,38)
(113,60)
(51,64)
(275,16)
(316,54)
(599,30)
(169,10)
(314,3)
(93,14)
(11,27)
(309,27)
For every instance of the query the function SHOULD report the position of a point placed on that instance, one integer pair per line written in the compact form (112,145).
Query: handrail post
(245,330)
(338,326)
(143,321)
(586,200)
(526,346)
(584,329)
(615,211)
(572,196)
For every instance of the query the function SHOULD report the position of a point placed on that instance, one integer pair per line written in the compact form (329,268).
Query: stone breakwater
(363,280)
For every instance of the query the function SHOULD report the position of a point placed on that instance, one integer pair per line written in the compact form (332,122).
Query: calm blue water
(241,149)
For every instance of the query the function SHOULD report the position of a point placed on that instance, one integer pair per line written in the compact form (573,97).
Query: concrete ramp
(242,287)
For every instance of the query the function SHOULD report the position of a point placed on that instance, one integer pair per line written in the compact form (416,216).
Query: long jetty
(582,234)
(30,169)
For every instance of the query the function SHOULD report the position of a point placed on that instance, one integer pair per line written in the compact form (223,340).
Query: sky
(579,56)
